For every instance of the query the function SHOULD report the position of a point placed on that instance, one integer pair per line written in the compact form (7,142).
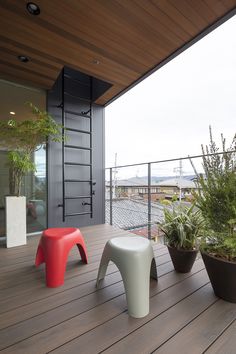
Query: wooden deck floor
(185,316)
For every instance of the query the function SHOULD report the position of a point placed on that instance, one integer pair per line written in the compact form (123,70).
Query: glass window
(13,99)
(34,187)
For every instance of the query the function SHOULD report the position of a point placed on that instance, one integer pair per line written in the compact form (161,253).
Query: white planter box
(15,221)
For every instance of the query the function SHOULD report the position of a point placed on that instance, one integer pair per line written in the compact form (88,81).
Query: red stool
(53,249)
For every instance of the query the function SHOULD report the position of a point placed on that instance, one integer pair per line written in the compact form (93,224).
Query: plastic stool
(135,260)
(53,249)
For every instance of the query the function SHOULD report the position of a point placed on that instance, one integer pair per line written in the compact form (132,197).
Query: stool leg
(56,259)
(135,272)
(39,256)
(102,267)
(137,293)
(153,273)
(82,250)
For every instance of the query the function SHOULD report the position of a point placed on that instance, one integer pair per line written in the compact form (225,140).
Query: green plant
(222,245)
(216,198)
(22,138)
(174,198)
(165,202)
(182,226)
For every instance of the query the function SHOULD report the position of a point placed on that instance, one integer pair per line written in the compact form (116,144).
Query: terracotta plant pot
(222,274)
(182,259)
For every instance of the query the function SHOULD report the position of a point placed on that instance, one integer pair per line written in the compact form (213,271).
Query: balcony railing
(136,194)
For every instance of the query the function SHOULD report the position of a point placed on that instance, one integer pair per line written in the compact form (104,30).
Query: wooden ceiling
(119,41)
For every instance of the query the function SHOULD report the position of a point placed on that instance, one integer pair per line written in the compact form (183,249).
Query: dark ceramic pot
(222,275)
(182,259)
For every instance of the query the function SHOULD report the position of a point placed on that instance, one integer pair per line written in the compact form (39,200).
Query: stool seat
(134,257)
(53,249)
(59,232)
(127,244)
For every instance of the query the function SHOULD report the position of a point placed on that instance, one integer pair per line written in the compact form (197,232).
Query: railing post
(149,201)
(111,196)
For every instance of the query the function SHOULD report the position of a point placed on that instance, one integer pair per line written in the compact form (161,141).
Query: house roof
(128,214)
(132,182)
(120,42)
(177,182)
(185,182)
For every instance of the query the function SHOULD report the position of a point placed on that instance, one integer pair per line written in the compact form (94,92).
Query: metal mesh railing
(137,194)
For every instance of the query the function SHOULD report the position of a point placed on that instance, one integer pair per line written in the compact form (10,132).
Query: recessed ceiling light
(33,8)
(96,61)
(13,113)
(23,58)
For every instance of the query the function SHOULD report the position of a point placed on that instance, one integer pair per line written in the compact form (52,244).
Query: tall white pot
(15,221)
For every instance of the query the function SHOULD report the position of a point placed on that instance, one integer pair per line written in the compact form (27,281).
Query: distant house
(165,189)
(135,186)
(173,186)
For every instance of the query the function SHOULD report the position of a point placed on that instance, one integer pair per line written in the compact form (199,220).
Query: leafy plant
(165,202)
(216,198)
(22,138)
(220,245)
(174,198)
(182,226)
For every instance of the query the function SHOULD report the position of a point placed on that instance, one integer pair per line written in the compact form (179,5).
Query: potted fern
(21,139)
(182,227)
(217,202)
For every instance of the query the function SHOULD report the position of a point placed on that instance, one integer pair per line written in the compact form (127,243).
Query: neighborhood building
(160,189)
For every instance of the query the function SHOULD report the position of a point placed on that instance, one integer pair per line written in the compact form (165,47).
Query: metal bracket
(61,105)
(85,203)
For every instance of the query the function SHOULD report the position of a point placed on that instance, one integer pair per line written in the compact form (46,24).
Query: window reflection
(35,190)
(34,187)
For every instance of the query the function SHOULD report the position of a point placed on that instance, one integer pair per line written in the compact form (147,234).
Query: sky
(168,114)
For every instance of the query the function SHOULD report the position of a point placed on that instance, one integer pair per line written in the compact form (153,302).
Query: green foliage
(21,161)
(174,198)
(22,138)
(220,245)
(19,164)
(182,227)
(165,202)
(217,198)
(28,135)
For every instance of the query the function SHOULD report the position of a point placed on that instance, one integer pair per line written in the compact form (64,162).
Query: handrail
(149,164)
(170,160)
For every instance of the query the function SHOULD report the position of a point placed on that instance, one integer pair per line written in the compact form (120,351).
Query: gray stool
(135,260)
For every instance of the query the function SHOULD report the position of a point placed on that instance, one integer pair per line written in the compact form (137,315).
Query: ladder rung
(84,213)
(77,114)
(77,147)
(77,130)
(78,164)
(77,180)
(79,197)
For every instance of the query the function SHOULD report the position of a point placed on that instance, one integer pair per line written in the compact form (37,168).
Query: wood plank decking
(185,316)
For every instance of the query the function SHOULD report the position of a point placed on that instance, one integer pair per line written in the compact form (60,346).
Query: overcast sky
(168,114)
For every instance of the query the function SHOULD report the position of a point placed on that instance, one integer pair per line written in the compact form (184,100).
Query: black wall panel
(72,90)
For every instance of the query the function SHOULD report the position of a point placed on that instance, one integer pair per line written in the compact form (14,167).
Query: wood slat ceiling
(129,38)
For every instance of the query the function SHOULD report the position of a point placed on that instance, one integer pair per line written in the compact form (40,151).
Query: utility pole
(180,179)
(180,171)
(115,177)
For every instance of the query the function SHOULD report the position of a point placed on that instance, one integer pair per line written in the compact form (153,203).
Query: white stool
(134,257)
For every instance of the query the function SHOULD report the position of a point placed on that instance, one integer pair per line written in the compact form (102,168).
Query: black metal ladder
(65,181)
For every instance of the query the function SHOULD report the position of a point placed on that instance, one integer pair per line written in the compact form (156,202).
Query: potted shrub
(217,201)
(182,226)
(21,139)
